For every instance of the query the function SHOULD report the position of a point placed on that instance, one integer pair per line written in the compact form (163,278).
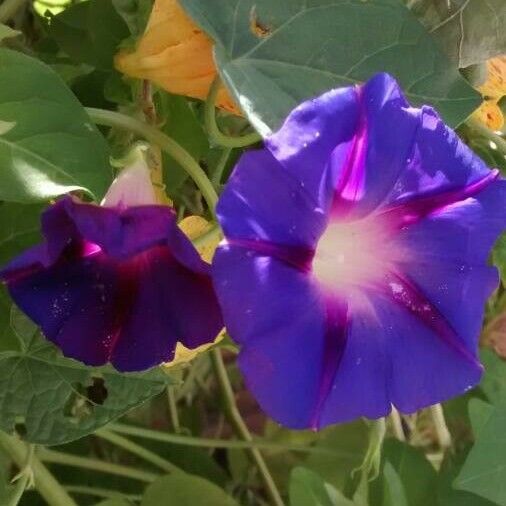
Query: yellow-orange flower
(493,90)
(175,54)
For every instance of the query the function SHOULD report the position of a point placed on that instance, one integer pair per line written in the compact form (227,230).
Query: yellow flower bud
(175,54)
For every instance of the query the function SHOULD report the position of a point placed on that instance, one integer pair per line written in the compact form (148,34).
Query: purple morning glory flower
(116,283)
(354,270)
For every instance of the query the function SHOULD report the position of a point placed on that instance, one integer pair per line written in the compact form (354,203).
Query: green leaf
(48,145)
(8,339)
(90,32)
(415,472)
(393,493)
(484,472)
(308,489)
(469,31)
(180,123)
(479,414)
(493,382)
(114,502)
(349,442)
(52,400)
(19,228)
(275,53)
(185,490)
(447,494)
(135,13)
(6,32)
(499,257)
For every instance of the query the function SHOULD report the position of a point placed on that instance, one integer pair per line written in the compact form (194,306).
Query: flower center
(351,254)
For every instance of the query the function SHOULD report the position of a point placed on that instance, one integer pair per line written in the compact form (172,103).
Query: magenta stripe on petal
(406,293)
(335,343)
(413,210)
(350,186)
(296,256)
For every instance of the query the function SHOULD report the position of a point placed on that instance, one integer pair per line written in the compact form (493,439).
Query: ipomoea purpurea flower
(116,283)
(354,267)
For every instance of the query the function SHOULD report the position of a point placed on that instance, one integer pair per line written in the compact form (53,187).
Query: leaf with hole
(273,54)
(49,399)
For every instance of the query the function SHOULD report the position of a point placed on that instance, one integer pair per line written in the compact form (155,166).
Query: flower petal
(171,304)
(439,162)
(120,286)
(281,325)
(73,303)
(447,254)
(262,201)
(311,133)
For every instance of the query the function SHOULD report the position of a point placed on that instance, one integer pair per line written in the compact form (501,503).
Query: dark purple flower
(354,270)
(119,283)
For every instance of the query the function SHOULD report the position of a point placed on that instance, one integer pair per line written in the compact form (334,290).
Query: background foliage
(177,447)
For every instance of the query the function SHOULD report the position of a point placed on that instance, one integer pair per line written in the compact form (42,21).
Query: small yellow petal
(490,114)
(175,54)
(195,226)
(495,85)
(184,355)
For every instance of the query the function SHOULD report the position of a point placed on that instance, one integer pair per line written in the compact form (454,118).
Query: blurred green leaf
(499,256)
(180,123)
(493,382)
(308,489)
(349,442)
(114,502)
(48,145)
(415,472)
(468,31)
(8,339)
(447,494)
(90,32)
(484,472)
(19,228)
(185,490)
(135,13)
(275,53)
(479,414)
(6,32)
(50,399)
(393,492)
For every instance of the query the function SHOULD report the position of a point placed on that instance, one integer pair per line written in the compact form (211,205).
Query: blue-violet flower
(116,283)
(354,270)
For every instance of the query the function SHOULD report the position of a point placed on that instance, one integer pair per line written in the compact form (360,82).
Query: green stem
(19,490)
(8,9)
(489,134)
(220,167)
(240,427)
(101,492)
(170,146)
(174,416)
(216,136)
(45,483)
(137,450)
(67,459)
(166,437)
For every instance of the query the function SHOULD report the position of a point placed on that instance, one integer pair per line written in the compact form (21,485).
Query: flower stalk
(216,136)
(170,146)
(240,427)
(45,483)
